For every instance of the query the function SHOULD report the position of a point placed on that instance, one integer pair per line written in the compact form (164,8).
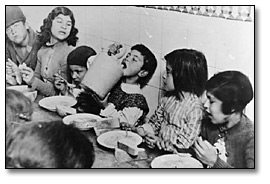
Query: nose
(64,26)
(74,75)
(164,75)
(207,105)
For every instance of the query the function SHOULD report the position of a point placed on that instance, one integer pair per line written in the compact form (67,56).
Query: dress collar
(131,88)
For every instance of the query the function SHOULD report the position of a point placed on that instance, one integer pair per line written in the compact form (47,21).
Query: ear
(143,73)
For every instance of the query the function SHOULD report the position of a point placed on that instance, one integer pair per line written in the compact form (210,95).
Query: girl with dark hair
(176,123)
(228,134)
(58,36)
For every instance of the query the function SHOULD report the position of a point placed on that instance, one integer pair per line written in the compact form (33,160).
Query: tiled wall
(227,44)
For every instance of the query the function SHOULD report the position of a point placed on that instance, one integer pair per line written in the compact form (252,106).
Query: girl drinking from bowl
(58,35)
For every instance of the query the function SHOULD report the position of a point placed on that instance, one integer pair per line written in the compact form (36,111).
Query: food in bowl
(84,122)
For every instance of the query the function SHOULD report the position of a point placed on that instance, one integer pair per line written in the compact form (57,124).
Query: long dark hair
(45,30)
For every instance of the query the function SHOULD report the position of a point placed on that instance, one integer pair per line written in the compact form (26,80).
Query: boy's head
(232,88)
(18,108)
(16,27)
(189,71)
(48,145)
(77,62)
(140,63)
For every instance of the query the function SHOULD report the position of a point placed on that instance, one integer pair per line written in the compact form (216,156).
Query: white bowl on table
(25,90)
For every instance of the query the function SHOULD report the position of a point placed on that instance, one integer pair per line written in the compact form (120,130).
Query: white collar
(131,88)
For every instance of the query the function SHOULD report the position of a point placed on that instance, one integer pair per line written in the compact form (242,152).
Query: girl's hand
(205,152)
(13,70)
(151,140)
(28,75)
(60,84)
(166,145)
(139,130)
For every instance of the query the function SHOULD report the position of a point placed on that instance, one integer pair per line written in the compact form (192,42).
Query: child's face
(61,27)
(168,84)
(214,108)
(133,63)
(17,32)
(77,73)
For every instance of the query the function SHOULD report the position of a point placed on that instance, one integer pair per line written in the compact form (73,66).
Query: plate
(109,139)
(50,103)
(82,121)
(175,161)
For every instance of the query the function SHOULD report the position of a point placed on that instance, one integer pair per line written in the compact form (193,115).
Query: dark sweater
(122,100)
(239,143)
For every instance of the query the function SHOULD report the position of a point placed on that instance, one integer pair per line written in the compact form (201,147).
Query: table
(104,157)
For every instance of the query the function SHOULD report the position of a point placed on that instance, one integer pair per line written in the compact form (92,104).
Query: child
(77,62)
(126,99)
(18,109)
(229,133)
(48,145)
(58,35)
(21,44)
(176,123)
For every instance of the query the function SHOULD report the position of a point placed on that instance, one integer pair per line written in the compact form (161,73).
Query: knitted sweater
(51,60)
(122,99)
(238,143)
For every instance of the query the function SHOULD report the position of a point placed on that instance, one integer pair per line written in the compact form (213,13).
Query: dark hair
(149,65)
(18,107)
(48,145)
(233,88)
(45,30)
(189,71)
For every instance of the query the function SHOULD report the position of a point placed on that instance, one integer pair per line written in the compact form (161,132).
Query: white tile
(211,72)
(203,38)
(129,28)
(93,20)
(174,35)
(111,25)
(150,32)
(151,94)
(94,42)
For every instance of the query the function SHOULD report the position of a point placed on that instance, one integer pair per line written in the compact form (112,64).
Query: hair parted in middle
(45,30)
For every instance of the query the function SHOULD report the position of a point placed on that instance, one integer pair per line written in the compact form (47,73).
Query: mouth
(123,64)
(62,33)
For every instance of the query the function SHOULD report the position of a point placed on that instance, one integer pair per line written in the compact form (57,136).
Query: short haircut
(149,65)
(48,145)
(189,71)
(45,30)
(233,88)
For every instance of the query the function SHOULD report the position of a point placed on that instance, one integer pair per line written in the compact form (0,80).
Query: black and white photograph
(132,87)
